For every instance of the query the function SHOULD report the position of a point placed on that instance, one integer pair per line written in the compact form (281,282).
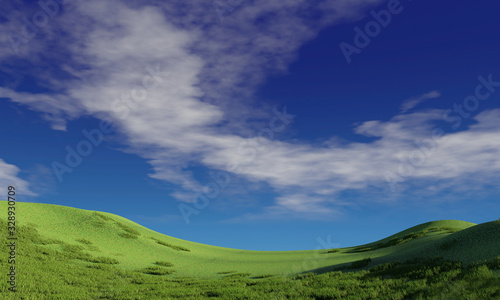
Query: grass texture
(67,251)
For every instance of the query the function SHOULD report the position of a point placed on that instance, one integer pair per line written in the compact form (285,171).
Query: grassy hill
(70,243)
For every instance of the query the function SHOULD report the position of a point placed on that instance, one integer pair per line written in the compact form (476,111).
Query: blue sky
(244,124)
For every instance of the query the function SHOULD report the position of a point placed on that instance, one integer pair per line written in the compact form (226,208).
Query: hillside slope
(89,237)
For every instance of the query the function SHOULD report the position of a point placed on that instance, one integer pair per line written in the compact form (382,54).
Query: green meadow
(69,253)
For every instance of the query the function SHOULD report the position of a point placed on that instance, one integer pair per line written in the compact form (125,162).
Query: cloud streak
(415,101)
(9,176)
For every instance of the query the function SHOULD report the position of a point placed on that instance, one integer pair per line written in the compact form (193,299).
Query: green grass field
(65,252)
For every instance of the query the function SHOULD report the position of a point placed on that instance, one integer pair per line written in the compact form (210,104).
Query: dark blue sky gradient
(430,45)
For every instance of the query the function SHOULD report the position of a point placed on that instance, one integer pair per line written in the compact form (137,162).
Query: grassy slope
(103,230)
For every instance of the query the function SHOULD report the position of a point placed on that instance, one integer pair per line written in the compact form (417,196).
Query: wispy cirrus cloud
(413,102)
(9,177)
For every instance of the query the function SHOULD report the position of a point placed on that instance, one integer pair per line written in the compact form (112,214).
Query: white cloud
(202,110)
(9,177)
(415,101)
(293,206)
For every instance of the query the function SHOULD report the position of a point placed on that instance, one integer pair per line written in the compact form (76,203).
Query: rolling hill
(53,238)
